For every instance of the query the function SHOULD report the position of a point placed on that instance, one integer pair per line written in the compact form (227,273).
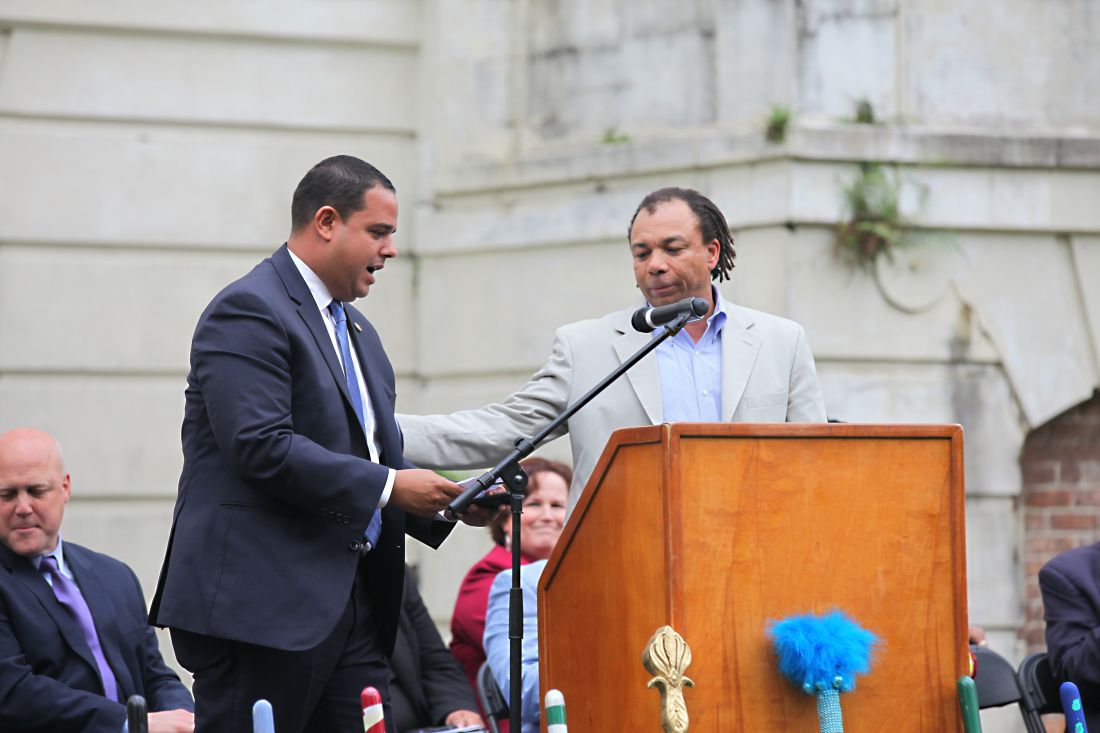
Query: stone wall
(148,152)
(561,116)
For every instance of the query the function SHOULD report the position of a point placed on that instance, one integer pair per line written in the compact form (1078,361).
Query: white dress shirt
(323,297)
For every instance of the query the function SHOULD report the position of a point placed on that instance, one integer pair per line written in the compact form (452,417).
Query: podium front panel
(612,598)
(716,530)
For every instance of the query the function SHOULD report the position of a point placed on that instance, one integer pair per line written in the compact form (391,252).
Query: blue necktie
(336,308)
(69,596)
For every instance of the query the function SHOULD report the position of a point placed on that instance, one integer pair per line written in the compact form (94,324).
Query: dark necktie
(336,308)
(69,596)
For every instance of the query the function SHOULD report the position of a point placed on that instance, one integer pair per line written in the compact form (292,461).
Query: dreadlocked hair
(712,224)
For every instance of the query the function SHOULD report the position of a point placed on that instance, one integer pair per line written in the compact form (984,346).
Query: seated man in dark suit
(75,642)
(428,687)
(1070,584)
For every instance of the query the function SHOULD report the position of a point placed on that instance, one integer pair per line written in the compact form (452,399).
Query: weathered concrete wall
(148,152)
(547,73)
(147,157)
(571,112)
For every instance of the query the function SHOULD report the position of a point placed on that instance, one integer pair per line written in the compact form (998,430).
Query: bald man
(75,642)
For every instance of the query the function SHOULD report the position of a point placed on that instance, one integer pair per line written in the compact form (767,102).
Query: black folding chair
(1039,691)
(492,700)
(995,680)
(996,684)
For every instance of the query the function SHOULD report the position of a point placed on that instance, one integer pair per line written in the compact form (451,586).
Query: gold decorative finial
(666,656)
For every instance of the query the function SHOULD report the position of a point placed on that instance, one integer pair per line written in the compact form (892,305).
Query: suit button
(355,546)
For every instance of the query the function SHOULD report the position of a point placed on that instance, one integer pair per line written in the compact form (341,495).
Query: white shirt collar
(317,288)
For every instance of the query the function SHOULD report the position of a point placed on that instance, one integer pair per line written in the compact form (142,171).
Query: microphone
(1071,706)
(649,319)
(137,719)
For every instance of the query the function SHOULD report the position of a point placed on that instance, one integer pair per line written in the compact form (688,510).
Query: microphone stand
(515,478)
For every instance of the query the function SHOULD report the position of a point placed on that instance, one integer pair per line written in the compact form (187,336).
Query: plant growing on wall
(612,136)
(865,112)
(874,226)
(775,130)
(875,238)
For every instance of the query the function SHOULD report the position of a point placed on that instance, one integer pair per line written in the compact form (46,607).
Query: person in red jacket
(542,521)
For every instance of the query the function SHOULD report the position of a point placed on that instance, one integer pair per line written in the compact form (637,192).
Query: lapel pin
(357,327)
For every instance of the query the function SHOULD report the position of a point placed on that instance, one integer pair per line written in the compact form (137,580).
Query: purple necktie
(69,596)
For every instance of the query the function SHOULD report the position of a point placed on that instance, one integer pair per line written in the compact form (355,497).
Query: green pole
(968,703)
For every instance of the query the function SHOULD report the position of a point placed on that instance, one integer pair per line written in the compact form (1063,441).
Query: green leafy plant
(775,129)
(612,136)
(875,226)
(865,112)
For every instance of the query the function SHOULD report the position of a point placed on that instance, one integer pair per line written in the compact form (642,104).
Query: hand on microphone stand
(422,492)
(477,516)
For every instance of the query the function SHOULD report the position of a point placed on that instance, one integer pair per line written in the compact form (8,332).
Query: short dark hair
(712,223)
(339,182)
(533,467)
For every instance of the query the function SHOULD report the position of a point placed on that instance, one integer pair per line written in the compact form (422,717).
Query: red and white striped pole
(373,719)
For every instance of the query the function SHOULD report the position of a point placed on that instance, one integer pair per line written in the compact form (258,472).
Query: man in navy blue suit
(74,640)
(1070,584)
(283,574)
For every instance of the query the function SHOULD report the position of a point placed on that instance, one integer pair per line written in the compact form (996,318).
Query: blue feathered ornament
(823,655)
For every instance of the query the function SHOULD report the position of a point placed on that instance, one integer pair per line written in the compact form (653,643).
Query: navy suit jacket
(428,684)
(1070,584)
(48,677)
(277,487)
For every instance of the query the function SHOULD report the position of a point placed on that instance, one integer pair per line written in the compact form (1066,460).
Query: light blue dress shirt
(62,566)
(691,373)
(497,642)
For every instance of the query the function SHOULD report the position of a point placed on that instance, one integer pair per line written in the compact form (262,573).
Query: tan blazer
(768,375)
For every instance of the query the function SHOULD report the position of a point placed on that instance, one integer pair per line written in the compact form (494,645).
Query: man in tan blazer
(735,364)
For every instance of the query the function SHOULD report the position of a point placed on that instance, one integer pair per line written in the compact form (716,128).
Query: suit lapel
(309,313)
(740,346)
(314,321)
(643,376)
(104,614)
(25,573)
(388,441)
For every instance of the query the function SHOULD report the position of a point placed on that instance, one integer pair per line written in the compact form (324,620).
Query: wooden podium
(713,529)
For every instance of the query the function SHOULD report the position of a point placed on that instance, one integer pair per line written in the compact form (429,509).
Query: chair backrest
(492,700)
(998,684)
(1039,690)
(995,679)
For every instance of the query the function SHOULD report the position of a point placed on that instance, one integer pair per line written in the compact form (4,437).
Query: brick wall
(1060,463)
